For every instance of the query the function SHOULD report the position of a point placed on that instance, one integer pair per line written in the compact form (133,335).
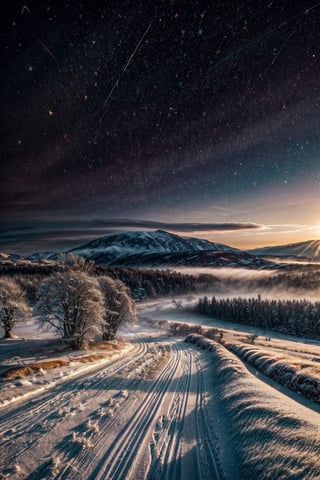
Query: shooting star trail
(264,36)
(276,166)
(282,47)
(45,47)
(137,47)
(123,71)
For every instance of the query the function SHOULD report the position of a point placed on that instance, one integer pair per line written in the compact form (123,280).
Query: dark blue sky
(164,111)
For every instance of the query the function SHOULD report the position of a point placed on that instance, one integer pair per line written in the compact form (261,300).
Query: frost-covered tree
(13,305)
(72,261)
(119,306)
(71,303)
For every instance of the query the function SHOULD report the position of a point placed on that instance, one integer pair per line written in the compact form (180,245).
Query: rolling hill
(159,248)
(309,250)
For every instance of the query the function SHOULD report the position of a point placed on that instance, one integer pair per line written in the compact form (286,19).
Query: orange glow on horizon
(261,237)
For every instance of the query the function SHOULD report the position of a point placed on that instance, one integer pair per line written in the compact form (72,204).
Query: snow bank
(297,375)
(270,435)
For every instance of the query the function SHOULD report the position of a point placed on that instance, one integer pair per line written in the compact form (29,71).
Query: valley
(178,393)
(159,408)
(160,240)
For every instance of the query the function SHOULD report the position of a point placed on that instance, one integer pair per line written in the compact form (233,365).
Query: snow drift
(272,437)
(299,377)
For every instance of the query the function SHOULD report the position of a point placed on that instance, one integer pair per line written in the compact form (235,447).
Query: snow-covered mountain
(37,256)
(10,256)
(155,249)
(308,250)
(160,248)
(117,246)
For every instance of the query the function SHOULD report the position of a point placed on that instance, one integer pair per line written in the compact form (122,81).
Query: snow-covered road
(143,416)
(156,408)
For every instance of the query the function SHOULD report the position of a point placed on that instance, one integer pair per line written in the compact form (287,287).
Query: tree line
(295,317)
(166,282)
(72,302)
(153,282)
(160,282)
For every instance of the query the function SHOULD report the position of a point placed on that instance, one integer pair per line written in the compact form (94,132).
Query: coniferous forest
(295,317)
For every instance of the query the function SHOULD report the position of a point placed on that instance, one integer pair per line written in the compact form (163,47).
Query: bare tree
(72,261)
(13,305)
(71,304)
(119,306)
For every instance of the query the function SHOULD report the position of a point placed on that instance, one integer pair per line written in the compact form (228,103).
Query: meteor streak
(124,69)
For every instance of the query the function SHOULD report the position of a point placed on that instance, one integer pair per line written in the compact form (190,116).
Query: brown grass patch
(23,371)
(91,358)
(17,372)
(106,345)
(49,364)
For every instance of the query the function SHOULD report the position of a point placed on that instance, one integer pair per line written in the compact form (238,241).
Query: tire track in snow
(38,405)
(167,447)
(206,453)
(128,455)
(165,450)
(78,463)
(138,432)
(118,459)
(38,417)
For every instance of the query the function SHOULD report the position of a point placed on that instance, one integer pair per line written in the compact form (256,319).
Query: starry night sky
(162,111)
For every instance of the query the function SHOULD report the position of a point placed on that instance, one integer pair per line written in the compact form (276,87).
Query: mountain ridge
(309,249)
(119,245)
(163,249)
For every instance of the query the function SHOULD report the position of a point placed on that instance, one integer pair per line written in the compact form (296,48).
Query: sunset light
(160,240)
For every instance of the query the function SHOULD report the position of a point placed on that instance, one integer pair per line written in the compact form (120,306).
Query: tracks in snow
(169,456)
(125,421)
(149,444)
(120,458)
(22,424)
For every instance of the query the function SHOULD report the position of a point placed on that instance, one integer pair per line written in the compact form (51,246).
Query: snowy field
(155,407)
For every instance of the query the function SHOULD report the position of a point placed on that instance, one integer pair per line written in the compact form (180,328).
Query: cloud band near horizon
(56,236)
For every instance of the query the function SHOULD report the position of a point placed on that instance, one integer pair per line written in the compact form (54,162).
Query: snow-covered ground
(179,309)
(269,434)
(156,408)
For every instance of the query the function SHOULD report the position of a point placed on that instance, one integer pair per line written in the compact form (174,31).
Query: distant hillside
(160,248)
(38,256)
(10,256)
(117,246)
(309,250)
(148,249)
